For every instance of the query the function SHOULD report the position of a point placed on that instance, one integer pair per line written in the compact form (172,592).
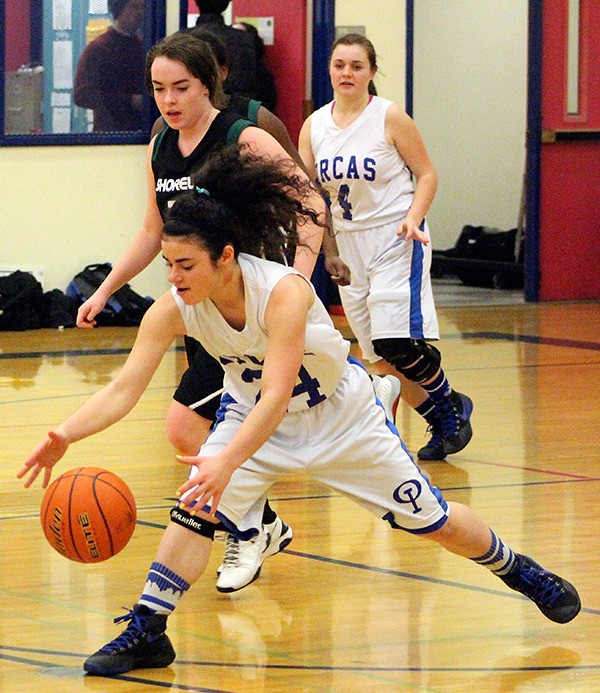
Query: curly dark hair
(253,203)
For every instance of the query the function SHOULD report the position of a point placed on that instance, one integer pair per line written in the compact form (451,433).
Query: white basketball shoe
(243,559)
(387,389)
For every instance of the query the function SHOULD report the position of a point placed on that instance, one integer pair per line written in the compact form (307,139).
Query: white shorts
(390,294)
(345,443)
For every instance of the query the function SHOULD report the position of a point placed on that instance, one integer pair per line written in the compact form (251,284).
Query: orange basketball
(88,514)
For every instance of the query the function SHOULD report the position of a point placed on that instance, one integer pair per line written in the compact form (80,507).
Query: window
(73,70)
(573,57)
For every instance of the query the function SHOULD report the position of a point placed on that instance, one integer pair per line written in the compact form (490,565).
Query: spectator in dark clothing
(240,47)
(266,88)
(110,71)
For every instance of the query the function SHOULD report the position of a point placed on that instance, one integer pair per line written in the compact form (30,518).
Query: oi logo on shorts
(408,492)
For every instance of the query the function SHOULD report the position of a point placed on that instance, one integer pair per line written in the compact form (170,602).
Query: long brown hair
(357,40)
(196,55)
(363,41)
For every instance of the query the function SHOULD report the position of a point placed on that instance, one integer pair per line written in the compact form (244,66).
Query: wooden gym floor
(351,605)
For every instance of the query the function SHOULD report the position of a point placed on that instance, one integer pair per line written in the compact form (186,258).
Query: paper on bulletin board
(60,99)
(61,120)
(264,25)
(62,15)
(98,7)
(62,64)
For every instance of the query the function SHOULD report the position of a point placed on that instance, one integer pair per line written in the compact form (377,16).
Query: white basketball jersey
(366,177)
(242,353)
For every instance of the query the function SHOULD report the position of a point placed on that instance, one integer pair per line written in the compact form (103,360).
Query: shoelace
(542,589)
(435,431)
(130,635)
(449,419)
(232,551)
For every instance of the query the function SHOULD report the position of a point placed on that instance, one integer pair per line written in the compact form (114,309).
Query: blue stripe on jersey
(416,280)
(226,399)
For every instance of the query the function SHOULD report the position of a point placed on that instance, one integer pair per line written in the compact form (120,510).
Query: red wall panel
(555,60)
(569,224)
(18,48)
(570,221)
(287,57)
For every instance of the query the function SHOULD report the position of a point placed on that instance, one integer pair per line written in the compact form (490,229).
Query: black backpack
(124,308)
(20,302)
(59,310)
(490,245)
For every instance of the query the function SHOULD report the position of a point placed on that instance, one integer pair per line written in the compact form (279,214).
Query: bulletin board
(68,26)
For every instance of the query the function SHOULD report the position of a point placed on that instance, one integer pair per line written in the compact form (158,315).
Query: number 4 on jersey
(344,202)
(309,385)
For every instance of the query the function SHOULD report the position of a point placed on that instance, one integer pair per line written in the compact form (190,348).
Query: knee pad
(182,517)
(416,359)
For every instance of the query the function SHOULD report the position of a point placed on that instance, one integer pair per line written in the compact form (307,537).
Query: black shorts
(203,377)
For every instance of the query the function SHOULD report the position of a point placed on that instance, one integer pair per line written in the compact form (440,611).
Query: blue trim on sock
(164,578)
(425,407)
(508,566)
(492,551)
(435,385)
(147,598)
(439,389)
(494,554)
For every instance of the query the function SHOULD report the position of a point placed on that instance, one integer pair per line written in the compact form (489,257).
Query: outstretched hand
(45,456)
(209,481)
(412,232)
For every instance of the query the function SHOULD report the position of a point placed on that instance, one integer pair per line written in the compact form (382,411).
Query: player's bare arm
(402,132)
(160,325)
(144,247)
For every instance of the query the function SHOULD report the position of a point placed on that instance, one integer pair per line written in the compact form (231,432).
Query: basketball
(88,514)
